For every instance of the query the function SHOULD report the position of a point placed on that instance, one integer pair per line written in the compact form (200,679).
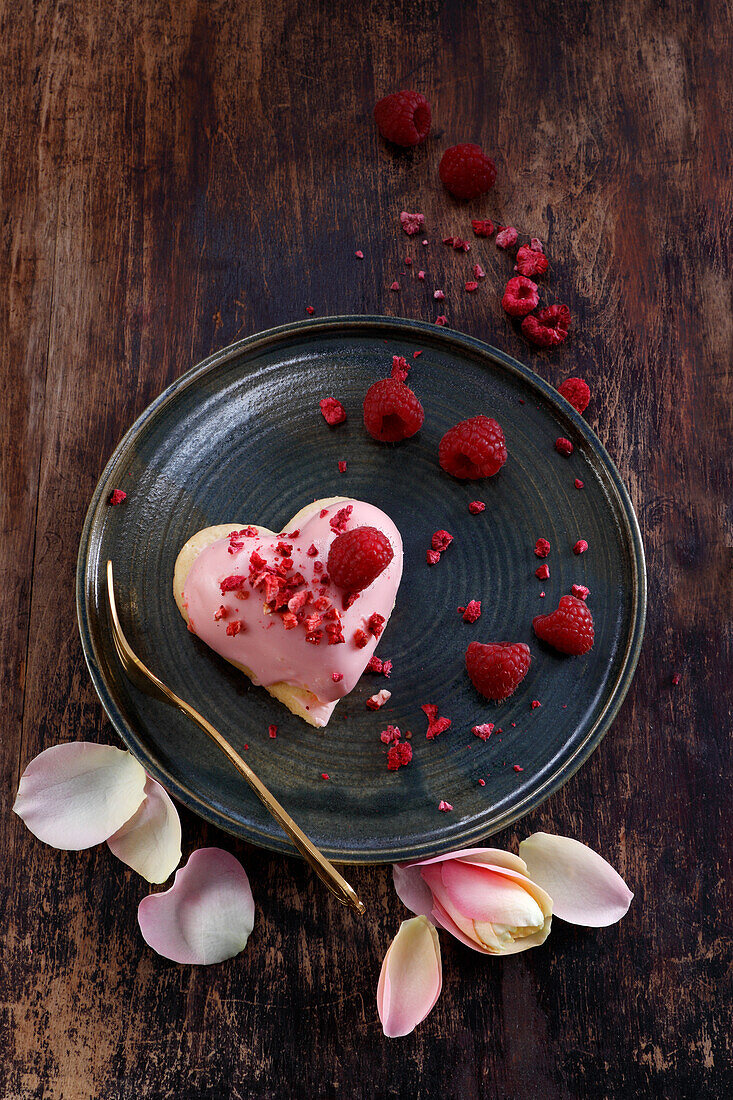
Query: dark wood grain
(176,175)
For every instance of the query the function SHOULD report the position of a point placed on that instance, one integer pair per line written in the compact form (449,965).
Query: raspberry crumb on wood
(411,223)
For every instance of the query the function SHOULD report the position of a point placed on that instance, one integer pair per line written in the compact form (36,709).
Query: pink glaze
(273,653)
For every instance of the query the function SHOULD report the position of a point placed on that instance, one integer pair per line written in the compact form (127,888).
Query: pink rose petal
(411,977)
(206,916)
(412,890)
(489,894)
(584,888)
(76,795)
(150,842)
(476,855)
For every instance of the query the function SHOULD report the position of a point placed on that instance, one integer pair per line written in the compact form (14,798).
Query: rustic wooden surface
(178,175)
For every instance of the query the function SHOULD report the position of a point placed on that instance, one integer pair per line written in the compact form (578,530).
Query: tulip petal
(584,888)
(206,916)
(76,795)
(487,894)
(412,890)
(411,977)
(150,842)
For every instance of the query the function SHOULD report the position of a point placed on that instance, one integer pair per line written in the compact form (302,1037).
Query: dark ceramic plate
(240,438)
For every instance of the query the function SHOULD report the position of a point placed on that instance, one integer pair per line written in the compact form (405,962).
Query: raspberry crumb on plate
(117,496)
(332,411)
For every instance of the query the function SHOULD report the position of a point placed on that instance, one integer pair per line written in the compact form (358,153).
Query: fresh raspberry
(564,446)
(398,756)
(441,540)
(472,612)
(530,262)
(520,297)
(392,411)
(580,547)
(496,669)
(433,557)
(484,731)
(580,591)
(483,228)
(411,223)
(403,117)
(472,449)
(333,411)
(542,572)
(542,548)
(569,629)
(117,496)
(400,368)
(476,507)
(466,171)
(506,237)
(549,327)
(577,392)
(357,557)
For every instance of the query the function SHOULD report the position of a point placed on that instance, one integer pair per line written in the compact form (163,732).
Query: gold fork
(148,682)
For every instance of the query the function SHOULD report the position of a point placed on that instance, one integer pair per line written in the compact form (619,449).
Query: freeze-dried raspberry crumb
(374,664)
(579,484)
(473,449)
(296,602)
(231,584)
(471,612)
(394,285)
(423,243)
(415,354)
(317,566)
(549,327)
(272,730)
(337,677)
(441,321)
(309,309)
(117,496)
(564,447)
(530,262)
(520,297)
(466,171)
(338,522)
(482,782)
(580,591)
(542,572)
(676,677)
(569,629)
(476,507)
(374,702)
(478,272)
(542,595)
(421,277)
(235,627)
(392,411)
(400,368)
(390,735)
(436,725)
(497,668)
(536,245)
(577,392)
(361,638)
(314,637)
(441,540)
(357,557)
(342,466)
(403,117)
(517,768)
(348,599)
(408,261)
(411,223)
(444,806)
(325,775)
(483,731)
(398,756)
(290,620)
(482,227)
(458,243)
(580,547)
(438,295)
(359,254)
(433,557)
(542,548)
(375,624)
(536,703)
(506,237)
(332,410)
(387,667)
(471,286)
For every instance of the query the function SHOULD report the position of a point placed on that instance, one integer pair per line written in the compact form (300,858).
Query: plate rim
(451,837)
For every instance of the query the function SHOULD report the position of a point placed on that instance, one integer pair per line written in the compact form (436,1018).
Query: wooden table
(175,176)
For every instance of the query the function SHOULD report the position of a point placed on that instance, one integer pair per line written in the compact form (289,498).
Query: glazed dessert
(267,604)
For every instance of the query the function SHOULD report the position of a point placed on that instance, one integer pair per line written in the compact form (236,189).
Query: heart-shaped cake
(266,603)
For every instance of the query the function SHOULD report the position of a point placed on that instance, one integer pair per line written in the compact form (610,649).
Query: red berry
(580,591)
(542,548)
(580,547)
(549,327)
(399,755)
(474,448)
(569,629)
(497,668)
(403,117)
(520,297)
(117,496)
(411,223)
(332,410)
(542,572)
(471,612)
(577,392)
(392,411)
(483,228)
(357,557)
(476,506)
(563,446)
(506,237)
(466,171)
(433,557)
(530,262)
(441,540)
